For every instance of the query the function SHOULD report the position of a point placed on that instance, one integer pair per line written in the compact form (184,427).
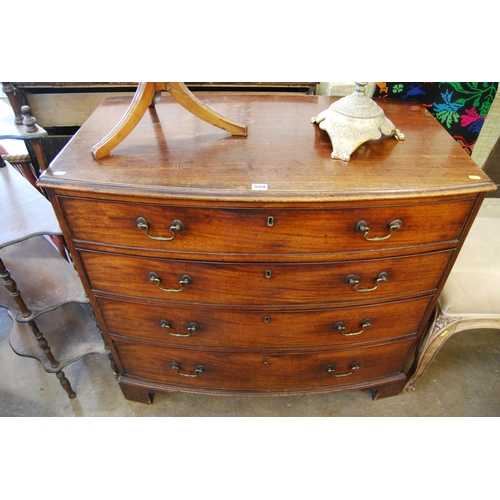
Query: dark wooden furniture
(258,265)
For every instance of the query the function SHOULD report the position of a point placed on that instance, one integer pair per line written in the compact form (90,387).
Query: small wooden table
(52,318)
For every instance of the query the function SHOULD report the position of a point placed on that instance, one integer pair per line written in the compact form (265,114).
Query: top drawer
(293,231)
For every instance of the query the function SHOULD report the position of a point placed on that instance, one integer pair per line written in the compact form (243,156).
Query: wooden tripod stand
(147,94)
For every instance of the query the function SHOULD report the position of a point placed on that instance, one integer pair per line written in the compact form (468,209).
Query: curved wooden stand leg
(140,103)
(187,99)
(146,95)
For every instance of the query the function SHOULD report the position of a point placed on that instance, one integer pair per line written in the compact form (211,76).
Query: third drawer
(274,329)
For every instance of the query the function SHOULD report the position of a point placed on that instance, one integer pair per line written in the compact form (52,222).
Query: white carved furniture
(471,296)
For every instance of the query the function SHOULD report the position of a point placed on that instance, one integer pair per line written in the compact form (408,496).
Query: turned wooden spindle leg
(43,344)
(11,286)
(65,384)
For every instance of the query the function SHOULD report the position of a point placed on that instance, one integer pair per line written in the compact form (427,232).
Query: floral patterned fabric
(461,108)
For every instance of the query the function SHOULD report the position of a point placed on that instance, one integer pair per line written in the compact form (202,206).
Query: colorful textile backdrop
(461,108)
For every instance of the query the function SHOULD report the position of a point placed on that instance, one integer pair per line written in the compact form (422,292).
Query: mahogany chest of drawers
(258,265)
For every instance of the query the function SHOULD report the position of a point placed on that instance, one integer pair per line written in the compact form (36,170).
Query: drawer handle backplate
(177,367)
(352,280)
(185,280)
(354,366)
(341,327)
(362,227)
(190,329)
(176,227)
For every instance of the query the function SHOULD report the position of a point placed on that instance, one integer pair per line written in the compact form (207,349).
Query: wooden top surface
(173,154)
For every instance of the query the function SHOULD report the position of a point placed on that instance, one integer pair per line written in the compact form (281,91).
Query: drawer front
(264,284)
(263,231)
(261,371)
(223,328)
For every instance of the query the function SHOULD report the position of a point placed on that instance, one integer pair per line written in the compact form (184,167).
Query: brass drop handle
(185,280)
(177,367)
(190,329)
(341,327)
(354,366)
(176,227)
(352,280)
(362,227)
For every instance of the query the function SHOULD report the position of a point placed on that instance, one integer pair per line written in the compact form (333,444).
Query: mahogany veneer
(267,284)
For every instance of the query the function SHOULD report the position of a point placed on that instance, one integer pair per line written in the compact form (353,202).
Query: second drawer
(263,285)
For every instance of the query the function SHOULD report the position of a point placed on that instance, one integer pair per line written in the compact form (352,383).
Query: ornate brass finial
(353,120)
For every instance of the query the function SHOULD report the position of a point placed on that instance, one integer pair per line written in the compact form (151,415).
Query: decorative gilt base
(353,120)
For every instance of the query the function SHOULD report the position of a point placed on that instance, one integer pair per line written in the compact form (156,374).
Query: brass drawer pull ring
(362,227)
(190,329)
(177,367)
(352,280)
(185,280)
(176,227)
(341,327)
(354,366)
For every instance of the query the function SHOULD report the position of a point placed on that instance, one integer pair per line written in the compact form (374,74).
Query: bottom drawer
(260,371)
